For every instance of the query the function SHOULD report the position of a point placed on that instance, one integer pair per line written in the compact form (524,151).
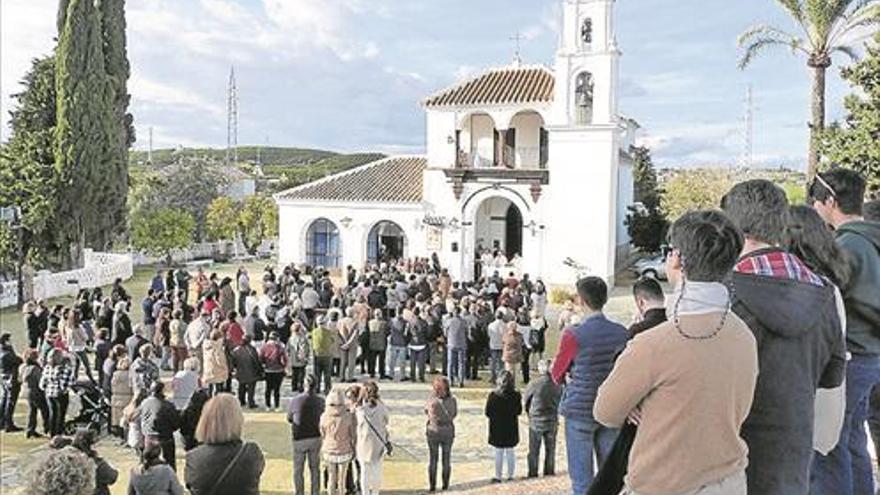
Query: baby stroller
(89,407)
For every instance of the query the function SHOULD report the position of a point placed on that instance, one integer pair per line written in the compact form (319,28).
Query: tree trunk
(817,125)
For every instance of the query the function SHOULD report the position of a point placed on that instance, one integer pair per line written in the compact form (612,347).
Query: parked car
(652,266)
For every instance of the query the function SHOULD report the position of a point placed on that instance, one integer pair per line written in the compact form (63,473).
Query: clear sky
(348,75)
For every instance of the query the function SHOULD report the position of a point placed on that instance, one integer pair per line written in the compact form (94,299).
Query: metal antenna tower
(749,130)
(231,119)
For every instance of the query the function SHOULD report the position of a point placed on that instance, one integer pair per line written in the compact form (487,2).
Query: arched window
(587,31)
(386,242)
(323,247)
(583,98)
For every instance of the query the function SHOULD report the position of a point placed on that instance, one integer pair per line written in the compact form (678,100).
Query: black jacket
(861,241)
(159,418)
(9,363)
(205,465)
(246,363)
(800,348)
(503,410)
(653,317)
(304,415)
(418,332)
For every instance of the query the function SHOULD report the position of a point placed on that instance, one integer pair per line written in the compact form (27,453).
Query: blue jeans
(846,470)
(457,363)
(397,357)
(582,438)
(495,364)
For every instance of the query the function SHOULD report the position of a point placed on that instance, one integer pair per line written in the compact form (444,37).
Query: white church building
(526,159)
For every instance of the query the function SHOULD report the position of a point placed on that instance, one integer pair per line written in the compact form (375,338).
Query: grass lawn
(405,472)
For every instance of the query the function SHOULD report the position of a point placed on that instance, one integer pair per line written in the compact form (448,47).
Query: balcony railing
(523,157)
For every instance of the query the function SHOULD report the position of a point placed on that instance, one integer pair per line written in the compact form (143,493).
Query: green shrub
(561,295)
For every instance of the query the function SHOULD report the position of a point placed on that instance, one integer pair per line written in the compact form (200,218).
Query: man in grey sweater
(455,329)
(541,402)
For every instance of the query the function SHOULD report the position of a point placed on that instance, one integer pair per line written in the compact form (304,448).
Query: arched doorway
(499,227)
(323,246)
(513,231)
(386,242)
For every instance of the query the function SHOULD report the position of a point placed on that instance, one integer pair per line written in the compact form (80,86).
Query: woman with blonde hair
(372,437)
(223,464)
(216,370)
(338,430)
(441,409)
(120,390)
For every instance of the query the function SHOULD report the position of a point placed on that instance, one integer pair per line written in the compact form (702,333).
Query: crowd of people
(754,376)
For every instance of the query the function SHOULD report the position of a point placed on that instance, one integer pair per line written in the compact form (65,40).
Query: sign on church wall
(434,239)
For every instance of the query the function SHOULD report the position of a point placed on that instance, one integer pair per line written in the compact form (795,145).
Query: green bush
(561,295)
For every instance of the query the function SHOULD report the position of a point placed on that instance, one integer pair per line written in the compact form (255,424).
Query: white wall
(440,131)
(479,139)
(296,217)
(528,139)
(581,202)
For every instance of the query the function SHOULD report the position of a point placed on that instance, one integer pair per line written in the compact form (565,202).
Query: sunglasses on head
(824,184)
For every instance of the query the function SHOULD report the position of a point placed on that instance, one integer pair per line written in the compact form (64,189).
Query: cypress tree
(122,131)
(84,122)
(62,15)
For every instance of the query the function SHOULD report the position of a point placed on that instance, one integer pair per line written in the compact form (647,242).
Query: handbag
(609,479)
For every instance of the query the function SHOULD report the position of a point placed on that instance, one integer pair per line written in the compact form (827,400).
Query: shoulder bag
(228,469)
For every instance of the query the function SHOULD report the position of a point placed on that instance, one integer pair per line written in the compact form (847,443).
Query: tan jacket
(120,389)
(511,346)
(215,364)
(337,430)
(694,396)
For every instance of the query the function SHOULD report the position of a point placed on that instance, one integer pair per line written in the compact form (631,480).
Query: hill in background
(282,168)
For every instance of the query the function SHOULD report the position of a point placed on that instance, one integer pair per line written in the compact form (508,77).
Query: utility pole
(749,130)
(231,119)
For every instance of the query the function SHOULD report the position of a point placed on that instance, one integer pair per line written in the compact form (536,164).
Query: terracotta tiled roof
(390,180)
(514,84)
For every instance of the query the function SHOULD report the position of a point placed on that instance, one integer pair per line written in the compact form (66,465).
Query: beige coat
(370,447)
(337,430)
(511,345)
(216,368)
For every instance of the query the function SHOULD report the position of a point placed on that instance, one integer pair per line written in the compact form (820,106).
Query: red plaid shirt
(777,264)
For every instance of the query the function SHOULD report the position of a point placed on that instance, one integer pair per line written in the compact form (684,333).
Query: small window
(583,100)
(587,31)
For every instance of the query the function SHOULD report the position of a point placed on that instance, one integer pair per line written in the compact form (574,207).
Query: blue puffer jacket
(599,341)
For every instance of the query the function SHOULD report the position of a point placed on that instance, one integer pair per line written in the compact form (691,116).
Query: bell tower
(584,143)
(586,65)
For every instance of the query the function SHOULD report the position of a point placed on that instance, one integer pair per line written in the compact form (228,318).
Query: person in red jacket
(273,355)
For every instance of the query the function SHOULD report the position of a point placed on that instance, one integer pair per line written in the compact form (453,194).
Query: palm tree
(825,27)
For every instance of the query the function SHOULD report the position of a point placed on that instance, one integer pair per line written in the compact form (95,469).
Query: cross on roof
(516,54)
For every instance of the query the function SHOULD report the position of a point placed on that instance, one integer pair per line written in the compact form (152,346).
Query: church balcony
(534,178)
(519,157)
